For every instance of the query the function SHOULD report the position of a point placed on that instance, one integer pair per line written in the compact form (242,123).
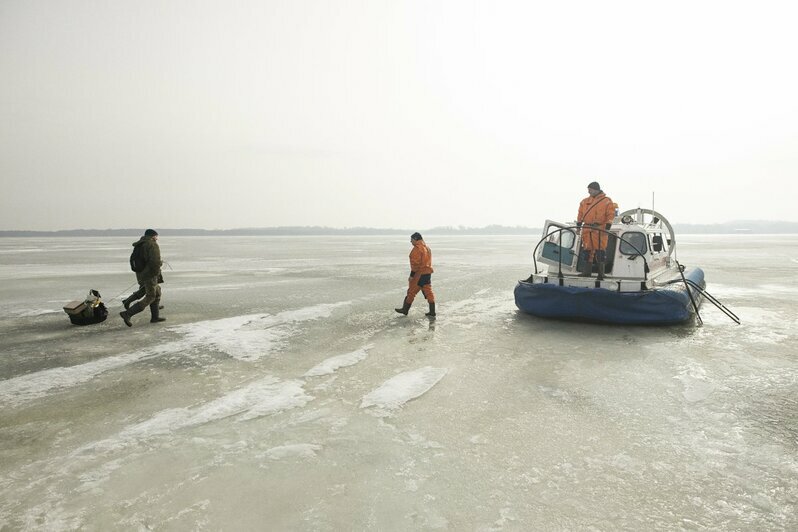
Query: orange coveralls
(595,211)
(420,272)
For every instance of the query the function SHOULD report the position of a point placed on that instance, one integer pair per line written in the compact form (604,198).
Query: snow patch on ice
(21,250)
(403,387)
(298,450)
(507,515)
(328,366)
(32,313)
(695,390)
(263,397)
(245,337)
(722,292)
(697,386)
(476,311)
(51,515)
(213,288)
(25,388)
(90,480)
(249,337)
(314,312)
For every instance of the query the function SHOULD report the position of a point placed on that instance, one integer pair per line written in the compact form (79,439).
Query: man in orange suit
(420,279)
(595,216)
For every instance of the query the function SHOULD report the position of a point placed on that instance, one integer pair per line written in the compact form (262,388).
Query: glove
(607,226)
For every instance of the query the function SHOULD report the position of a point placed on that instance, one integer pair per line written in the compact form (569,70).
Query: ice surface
(284,393)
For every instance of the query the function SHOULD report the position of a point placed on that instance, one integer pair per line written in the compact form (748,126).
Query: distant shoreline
(738,227)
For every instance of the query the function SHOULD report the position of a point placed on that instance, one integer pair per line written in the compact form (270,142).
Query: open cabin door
(559,245)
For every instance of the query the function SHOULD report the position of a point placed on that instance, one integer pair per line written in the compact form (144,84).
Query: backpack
(137,259)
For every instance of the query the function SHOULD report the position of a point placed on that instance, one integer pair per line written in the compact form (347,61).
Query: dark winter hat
(594,186)
(416,236)
(150,232)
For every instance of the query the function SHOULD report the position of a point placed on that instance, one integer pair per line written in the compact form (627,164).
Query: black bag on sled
(90,310)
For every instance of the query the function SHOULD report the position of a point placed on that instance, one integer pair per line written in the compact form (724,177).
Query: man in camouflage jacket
(148,281)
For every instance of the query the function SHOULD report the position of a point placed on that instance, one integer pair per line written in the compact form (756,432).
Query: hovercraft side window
(568,237)
(633,243)
(659,243)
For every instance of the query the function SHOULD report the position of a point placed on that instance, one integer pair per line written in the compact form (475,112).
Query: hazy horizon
(730,227)
(392,114)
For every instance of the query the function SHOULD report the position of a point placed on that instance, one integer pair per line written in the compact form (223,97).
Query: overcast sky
(392,113)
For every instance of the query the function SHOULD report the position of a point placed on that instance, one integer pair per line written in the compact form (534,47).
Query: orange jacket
(595,211)
(420,258)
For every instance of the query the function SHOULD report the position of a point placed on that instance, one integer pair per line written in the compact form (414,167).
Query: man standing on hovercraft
(595,216)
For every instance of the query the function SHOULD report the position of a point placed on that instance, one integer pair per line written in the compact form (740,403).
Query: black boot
(431,312)
(405,308)
(138,294)
(133,297)
(600,275)
(132,311)
(155,312)
(587,269)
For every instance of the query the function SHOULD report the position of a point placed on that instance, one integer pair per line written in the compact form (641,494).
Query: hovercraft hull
(668,304)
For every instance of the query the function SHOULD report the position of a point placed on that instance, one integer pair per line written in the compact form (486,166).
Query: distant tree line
(737,227)
(282,231)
